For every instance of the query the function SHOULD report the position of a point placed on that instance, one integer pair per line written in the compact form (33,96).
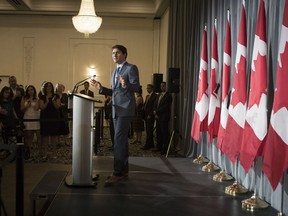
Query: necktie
(116,75)
(160,97)
(147,98)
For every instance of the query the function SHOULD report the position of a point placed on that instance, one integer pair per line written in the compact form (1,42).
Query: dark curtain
(187,19)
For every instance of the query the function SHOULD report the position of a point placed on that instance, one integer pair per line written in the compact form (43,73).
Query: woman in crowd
(8,118)
(63,127)
(8,115)
(30,108)
(138,122)
(49,104)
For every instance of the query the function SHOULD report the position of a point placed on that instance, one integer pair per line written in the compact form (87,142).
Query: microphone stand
(80,82)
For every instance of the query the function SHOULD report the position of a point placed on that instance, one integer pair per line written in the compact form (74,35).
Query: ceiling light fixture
(87,21)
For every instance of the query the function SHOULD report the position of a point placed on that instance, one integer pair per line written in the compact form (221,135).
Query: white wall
(48,48)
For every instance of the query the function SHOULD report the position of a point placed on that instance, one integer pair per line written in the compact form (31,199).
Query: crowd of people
(42,116)
(155,110)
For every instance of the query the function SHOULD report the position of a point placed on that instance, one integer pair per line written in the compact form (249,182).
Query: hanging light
(87,21)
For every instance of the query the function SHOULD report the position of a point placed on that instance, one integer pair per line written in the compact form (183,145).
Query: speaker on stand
(157,79)
(173,86)
(173,80)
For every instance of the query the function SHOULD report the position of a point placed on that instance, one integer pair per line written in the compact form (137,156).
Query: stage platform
(156,186)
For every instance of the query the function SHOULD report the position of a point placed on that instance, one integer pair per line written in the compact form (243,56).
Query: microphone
(81,83)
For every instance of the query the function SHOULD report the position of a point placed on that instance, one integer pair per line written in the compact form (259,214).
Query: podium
(83,139)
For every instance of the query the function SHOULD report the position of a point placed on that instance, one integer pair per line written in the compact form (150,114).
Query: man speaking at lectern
(124,82)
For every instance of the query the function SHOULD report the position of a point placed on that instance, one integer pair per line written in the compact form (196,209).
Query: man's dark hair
(150,85)
(86,82)
(121,48)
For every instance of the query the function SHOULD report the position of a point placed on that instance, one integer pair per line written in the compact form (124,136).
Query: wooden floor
(156,186)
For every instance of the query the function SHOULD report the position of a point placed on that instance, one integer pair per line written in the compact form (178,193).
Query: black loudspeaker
(157,79)
(173,80)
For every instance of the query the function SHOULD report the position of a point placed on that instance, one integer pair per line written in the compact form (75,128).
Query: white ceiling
(103,8)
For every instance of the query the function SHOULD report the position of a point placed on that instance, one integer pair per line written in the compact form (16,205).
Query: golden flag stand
(210,167)
(200,160)
(222,175)
(236,188)
(254,202)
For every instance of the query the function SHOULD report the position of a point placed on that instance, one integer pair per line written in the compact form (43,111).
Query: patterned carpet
(64,150)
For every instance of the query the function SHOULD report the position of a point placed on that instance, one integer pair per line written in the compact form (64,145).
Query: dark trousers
(121,154)
(111,129)
(149,132)
(162,134)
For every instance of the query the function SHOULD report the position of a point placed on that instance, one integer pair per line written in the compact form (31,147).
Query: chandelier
(87,21)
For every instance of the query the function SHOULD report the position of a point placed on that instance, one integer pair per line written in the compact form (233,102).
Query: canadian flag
(237,108)
(214,104)
(225,84)
(275,160)
(255,129)
(200,120)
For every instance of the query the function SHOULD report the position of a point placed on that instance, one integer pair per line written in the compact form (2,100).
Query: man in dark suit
(86,90)
(124,82)
(162,112)
(16,92)
(149,117)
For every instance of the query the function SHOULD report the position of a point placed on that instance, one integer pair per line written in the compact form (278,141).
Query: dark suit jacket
(163,110)
(90,93)
(123,98)
(149,105)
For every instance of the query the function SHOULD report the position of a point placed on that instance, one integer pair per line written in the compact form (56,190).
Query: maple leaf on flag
(232,139)
(200,120)
(256,116)
(275,160)
(214,103)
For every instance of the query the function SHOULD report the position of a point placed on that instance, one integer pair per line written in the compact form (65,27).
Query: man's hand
(122,81)
(95,84)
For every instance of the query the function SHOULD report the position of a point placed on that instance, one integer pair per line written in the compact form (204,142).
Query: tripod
(175,131)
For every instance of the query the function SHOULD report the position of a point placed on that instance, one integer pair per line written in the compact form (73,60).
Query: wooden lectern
(83,139)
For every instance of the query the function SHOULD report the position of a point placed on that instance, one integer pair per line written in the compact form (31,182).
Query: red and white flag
(200,120)
(237,108)
(275,160)
(225,86)
(214,104)
(255,129)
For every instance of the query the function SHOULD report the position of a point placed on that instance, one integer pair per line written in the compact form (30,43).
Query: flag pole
(254,202)
(222,175)
(236,188)
(201,159)
(214,87)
